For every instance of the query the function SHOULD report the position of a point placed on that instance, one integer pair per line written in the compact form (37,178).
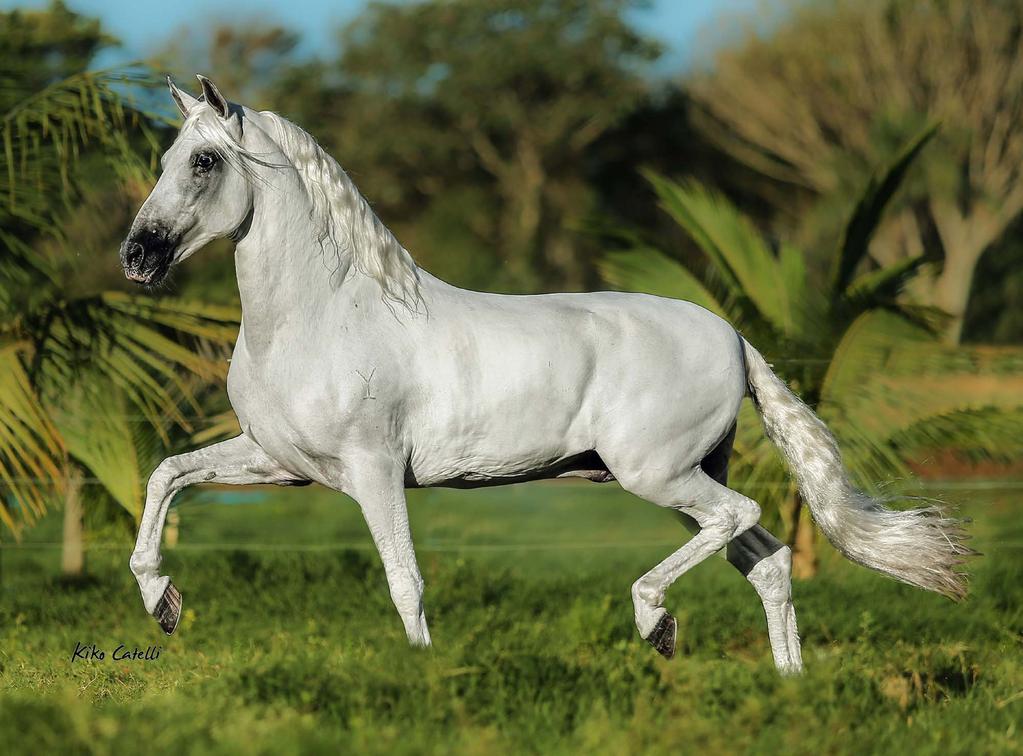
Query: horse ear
(213,97)
(183,100)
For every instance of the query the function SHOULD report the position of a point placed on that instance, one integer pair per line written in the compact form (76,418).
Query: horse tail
(920,546)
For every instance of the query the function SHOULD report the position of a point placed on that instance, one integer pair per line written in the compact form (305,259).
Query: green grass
(289,643)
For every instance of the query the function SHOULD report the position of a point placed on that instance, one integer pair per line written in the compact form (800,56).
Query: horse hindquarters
(680,473)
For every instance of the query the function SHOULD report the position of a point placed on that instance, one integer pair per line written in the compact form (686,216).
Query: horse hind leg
(720,513)
(767,563)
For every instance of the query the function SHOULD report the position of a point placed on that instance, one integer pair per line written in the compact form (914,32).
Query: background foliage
(842,184)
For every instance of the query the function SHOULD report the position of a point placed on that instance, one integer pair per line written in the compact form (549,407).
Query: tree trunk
(170,531)
(963,239)
(952,291)
(802,542)
(804,551)
(523,188)
(73,550)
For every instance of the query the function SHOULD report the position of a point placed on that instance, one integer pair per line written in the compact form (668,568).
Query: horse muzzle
(146,255)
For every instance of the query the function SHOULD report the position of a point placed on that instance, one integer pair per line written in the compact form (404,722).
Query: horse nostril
(133,254)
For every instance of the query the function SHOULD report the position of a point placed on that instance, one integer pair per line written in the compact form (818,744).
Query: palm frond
(31,449)
(142,346)
(891,403)
(217,428)
(746,264)
(93,363)
(649,270)
(881,285)
(97,427)
(993,433)
(43,134)
(758,470)
(863,349)
(119,447)
(889,382)
(868,211)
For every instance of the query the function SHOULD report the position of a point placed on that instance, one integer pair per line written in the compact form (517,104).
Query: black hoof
(662,637)
(168,609)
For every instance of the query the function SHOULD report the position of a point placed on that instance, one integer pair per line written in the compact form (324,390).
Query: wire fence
(930,484)
(424,546)
(428,545)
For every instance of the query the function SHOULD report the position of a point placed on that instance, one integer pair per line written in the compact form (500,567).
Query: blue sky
(690,28)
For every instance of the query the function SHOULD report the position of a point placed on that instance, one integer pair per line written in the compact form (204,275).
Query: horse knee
(143,563)
(644,593)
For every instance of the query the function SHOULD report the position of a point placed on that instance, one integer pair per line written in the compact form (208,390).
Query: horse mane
(343,217)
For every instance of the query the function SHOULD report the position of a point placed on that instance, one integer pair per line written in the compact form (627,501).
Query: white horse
(359,371)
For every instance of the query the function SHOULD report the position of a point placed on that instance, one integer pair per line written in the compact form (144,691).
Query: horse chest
(300,410)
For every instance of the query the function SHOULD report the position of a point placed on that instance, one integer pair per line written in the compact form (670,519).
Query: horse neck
(285,276)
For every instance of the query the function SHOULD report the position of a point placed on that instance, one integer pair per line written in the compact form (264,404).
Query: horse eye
(205,160)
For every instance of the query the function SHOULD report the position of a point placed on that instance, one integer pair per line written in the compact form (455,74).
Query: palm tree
(870,365)
(92,384)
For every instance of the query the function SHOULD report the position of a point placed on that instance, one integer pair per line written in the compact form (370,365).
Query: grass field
(289,643)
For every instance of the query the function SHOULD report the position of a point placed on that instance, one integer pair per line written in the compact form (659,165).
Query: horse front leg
(379,488)
(238,461)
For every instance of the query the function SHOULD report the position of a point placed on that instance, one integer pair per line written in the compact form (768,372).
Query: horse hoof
(168,609)
(662,637)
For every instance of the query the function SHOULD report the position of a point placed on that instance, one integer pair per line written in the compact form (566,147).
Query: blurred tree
(40,47)
(479,116)
(75,365)
(246,58)
(659,136)
(835,90)
(870,366)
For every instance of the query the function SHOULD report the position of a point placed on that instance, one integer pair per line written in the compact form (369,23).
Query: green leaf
(890,384)
(882,285)
(869,209)
(992,433)
(864,348)
(651,271)
(30,447)
(746,265)
(97,428)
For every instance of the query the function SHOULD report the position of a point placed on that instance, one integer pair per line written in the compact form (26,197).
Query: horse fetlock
(644,594)
(646,602)
(771,577)
(408,599)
